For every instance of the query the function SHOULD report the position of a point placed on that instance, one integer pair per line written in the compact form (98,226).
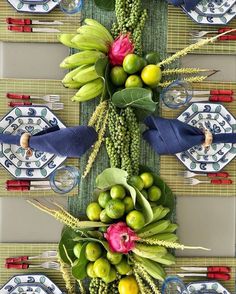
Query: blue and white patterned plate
(214,7)
(216,124)
(30,284)
(212,20)
(217,119)
(34,6)
(33,120)
(206,287)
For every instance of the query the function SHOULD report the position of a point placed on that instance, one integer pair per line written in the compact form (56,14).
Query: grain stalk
(192,47)
(197,79)
(66,277)
(169,244)
(142,287)
(187,70)
(61,214)
(97,113)
(147,278)
(97,145)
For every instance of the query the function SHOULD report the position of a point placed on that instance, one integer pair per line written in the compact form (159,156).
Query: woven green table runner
(29,249)
(171,166)
(203,262)
(69,116)
(70,24)
(179,26)
(154,38)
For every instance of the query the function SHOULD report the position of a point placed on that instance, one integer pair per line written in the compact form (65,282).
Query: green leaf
(79,268)
(108,5)
(134,97)
(90,224)
(67,240)
(145,205)
(113,176)
(100,66)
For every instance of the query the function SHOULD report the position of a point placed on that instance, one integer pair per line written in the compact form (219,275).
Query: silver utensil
(47,98)
(193,181)
(189,174)
(48,265)
(52,106)
(199,34)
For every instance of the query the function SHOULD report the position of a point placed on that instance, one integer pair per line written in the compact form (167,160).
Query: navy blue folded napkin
(68,142)
(187,4)
(171,136)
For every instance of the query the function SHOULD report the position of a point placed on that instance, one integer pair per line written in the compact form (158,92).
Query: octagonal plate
(34,6)
(213,7)
(216,124)
(33,120)
(212,20)
(34,283)
(205,287)
(224,123)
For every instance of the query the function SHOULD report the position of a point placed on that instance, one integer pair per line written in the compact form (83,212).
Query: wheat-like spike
(146,277)
(97,113)
(192,47)
(187,70)
(169,244)
(142,288)
(97,146)
(66,277)
(81,287)
(60,215)
(197,79)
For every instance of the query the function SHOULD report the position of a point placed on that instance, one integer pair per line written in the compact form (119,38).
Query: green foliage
(107,5)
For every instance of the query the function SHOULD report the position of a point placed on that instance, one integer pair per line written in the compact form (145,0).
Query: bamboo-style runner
(20,249)
(171,166)
(70,24)
(179,26)
(69,116)
(206,261)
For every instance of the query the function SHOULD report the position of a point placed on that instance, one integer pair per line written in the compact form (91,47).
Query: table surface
(209,222)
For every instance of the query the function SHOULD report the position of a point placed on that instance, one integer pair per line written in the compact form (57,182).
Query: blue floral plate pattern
(206,287)
(43,6)
(217,119)
(214,7)
(210,19)
(30,284)
(14,158)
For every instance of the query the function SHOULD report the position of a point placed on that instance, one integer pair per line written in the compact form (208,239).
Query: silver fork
(199,34)
(51,105)
(48,264)
(189,174)
(47,98)
(45,254)
(193,181)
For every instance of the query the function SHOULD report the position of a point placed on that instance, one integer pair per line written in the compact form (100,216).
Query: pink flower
(120,237)
(119,49)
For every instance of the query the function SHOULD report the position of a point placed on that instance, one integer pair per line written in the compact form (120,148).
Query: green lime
(90,270)
(101,267)
(93,251)
(117,192)
(118,75)
(77,249)
(103,198)
(111,277)
(152,57)
(144,193)
(147,179)
(151,75)
(114,257)
(104,217)
(133,63)
(135,220)
(93,211)
(133,81)
(115,208)
(136,182)
(129,204)
(154,193)
(123,267)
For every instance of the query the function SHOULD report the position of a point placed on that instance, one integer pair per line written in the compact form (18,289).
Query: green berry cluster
(131,18)
(98,286)
(123,144)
